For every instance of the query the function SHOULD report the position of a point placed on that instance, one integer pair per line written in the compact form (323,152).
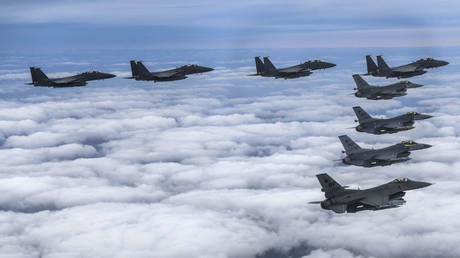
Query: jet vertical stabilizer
(259,65)
(360,82)
(38,76)
(371,66)
(361,114)
(383,68)
(269,67)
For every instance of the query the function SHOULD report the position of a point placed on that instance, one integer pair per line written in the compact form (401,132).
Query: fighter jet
(404,71)
(340,199)
(141,73)
(381,92)
(267,69)
(396,124)
(39,78)
(378,157)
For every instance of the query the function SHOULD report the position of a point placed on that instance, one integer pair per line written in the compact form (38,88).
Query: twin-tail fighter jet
(340,199)
(267,69)
(141,73)
(39,78)
(403,71)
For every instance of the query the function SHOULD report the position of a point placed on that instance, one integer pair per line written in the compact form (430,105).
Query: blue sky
(222,24)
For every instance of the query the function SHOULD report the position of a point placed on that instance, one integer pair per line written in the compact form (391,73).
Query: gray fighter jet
(267,69)
(404,71)
(39,78)
(365,90)
(396,124)
(340,199)
(141,73)
(378,157)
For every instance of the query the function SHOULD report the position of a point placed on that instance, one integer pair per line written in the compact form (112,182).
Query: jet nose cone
(422,117)
(329,65)
(425,184)
(422,146)
(414,85)
(443,63)
(205,69)
(419,184)
(109,75)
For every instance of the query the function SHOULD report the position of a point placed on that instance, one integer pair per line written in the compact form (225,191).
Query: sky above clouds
(139,24)
(220,164)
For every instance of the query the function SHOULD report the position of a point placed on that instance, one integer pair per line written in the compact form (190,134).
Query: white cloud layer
(218,165)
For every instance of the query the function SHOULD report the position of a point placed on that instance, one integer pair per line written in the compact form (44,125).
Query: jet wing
(66,80)
(166,74)
(293,69)
(393,89)
(376,200)
(385,156)
(390,126)
(406,68)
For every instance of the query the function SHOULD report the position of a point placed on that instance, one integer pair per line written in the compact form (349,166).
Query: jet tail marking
(348,144)
(329,185)
(361,114)
(360,82)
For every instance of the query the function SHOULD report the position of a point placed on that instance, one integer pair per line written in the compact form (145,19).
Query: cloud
(221,165)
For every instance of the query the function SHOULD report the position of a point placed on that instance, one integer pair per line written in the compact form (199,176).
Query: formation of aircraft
(140,73)
(403,71)
(365,90)
(396,153)
(39,78)
(396,124)
(340,199)
(267,69)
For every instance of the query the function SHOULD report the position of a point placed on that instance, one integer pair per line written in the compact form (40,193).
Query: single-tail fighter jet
(396,124)
(378,157)
(340,199)
(364,90)
(39,78)
(267,69)
(404,71)
(141,73)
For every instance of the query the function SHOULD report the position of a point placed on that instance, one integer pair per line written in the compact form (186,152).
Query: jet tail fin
(134,69)
(38,75)
(384,69)
(371,66)
(141,69)
(259,65)
(329,186)
(361,114)
(360,82)
(348,144)
(268,66)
